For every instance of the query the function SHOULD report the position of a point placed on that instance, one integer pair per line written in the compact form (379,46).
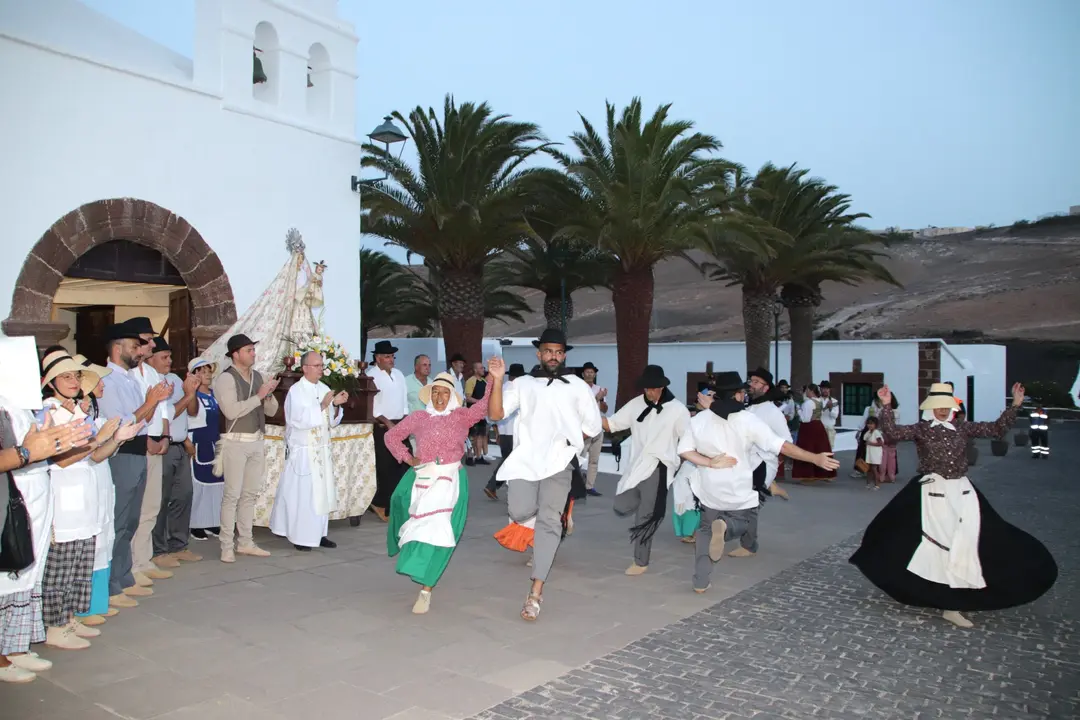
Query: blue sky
(927,112)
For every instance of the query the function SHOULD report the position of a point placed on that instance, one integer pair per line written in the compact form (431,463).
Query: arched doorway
(127,219)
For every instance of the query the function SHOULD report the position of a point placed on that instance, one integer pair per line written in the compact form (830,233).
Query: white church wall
(85,132)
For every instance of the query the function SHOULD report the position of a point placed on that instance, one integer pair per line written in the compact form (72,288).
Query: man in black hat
(505,428)
(596,444)
(124,397)
(457,369)
(558,413)
(173,528)
(656,422)
(142,545)
(721,441)
(391,405)
(763,399)
(245,400)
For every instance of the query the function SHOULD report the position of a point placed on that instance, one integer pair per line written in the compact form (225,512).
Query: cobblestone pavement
(817,640)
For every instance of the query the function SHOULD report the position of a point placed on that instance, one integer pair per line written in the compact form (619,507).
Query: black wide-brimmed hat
(384,347)
(729,381)
(458,357)
(515,370)
(590,366)
(763,374)
(122,331)
(141,325)
(653,377)
(160,345)
(551,336)
(825,385)
(237,342)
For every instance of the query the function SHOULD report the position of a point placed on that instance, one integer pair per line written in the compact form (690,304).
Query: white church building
(138,181)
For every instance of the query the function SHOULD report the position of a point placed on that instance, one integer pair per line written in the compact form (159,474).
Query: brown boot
(166,561)
(92,620)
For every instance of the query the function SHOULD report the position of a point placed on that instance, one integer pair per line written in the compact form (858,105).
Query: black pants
(388,471)
(1040,443)
(506,446)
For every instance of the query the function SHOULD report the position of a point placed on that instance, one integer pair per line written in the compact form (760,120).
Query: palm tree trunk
(757,311)
(363,341)
(461,313)
(801,302)
(553,311)
(802,344)
(632,296)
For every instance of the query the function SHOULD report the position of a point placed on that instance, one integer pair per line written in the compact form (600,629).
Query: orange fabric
(516,537)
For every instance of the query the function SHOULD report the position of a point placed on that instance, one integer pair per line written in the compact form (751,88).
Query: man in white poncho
(656,422)
(307,494)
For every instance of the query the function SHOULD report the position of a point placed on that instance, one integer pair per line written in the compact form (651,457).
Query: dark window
(856,397)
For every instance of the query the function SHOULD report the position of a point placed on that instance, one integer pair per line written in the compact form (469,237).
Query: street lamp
(777,310)
(388,134)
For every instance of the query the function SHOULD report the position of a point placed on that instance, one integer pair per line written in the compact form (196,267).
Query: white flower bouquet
(339,372)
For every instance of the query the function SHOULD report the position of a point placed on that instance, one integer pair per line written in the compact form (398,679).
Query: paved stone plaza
(817,640)
(793,632)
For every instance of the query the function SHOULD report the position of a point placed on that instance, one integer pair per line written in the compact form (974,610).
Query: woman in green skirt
(429,506)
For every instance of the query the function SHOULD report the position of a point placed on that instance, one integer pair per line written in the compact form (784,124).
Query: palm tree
(423,304)
(843,255)
(809,237)
(551,260)
(647,188)
(387,292)
(459,208)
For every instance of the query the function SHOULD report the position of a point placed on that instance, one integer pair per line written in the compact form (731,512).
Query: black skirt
(1017,568)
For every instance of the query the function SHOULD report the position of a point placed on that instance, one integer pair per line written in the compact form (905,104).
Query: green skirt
(422,562)
(687,523)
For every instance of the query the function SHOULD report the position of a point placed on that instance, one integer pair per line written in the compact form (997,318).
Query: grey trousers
(129,481)
(640,501)
(741,524)
(545,499)
(593,448)
(174,521)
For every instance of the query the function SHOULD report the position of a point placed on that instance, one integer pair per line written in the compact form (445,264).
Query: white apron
(949,551)
(36,489)
(434,495)
(106,497)
(75,495)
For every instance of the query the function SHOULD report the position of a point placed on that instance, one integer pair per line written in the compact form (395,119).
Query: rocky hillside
(1020,282)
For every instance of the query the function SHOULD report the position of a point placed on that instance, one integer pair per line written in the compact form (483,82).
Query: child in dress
(875,441)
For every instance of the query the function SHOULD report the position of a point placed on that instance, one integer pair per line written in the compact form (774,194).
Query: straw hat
(199,362)
(89,371)
(940,396)
(443,379)
(59,362)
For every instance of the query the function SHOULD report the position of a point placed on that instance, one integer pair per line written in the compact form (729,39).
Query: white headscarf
(451,406)
(928,415)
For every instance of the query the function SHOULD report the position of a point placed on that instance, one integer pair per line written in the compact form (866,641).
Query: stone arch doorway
(130,219)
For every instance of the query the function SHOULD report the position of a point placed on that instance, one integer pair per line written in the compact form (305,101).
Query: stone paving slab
(817,640)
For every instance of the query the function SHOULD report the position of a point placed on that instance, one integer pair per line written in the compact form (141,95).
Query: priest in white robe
(307,493)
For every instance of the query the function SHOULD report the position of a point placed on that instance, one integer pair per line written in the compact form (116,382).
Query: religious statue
(312,294)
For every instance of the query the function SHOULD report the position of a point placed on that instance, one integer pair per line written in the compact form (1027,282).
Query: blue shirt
(122,396)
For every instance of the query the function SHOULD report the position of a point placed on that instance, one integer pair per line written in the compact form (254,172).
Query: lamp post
(388,134)
(777,310)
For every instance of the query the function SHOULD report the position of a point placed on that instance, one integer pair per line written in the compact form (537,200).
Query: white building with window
(108,136)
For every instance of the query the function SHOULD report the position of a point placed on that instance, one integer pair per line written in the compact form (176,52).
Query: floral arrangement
(339,373)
